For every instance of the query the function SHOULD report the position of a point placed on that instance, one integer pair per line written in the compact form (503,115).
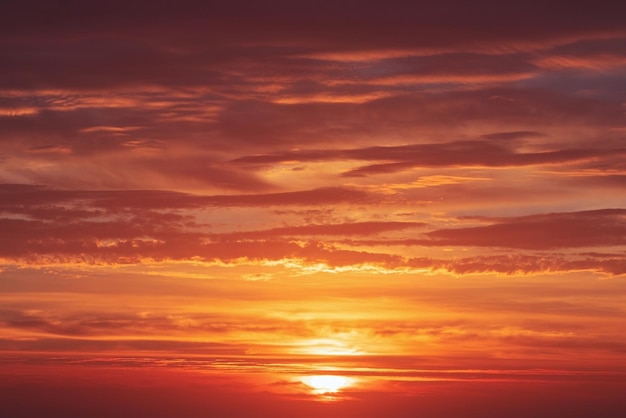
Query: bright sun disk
(326,383)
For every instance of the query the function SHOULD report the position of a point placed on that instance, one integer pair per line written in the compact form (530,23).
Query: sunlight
(325,384)
(332,351)
(326,347)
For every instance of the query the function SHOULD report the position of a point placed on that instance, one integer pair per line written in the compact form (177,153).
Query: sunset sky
(290,209)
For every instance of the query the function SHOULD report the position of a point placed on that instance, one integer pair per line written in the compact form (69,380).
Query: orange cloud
(204,207)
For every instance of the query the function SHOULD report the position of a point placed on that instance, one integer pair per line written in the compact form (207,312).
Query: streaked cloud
(203,207)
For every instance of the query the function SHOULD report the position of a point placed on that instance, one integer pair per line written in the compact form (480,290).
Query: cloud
(222,197)
(120,227)
(219,330)
(129,226)
(488,153)
(541,232)
(15,196)
(596,63)
(533,264)
(345,25)
(349,229)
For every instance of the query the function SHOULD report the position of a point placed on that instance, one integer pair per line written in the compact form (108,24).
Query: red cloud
(541,232)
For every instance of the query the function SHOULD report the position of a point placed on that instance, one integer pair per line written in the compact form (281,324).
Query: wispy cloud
(425,198)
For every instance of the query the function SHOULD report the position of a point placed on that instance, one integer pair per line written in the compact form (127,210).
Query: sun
(325,384)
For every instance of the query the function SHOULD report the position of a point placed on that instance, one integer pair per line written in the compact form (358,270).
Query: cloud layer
(425,198)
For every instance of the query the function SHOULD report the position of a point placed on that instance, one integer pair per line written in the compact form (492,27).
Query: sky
(347,209)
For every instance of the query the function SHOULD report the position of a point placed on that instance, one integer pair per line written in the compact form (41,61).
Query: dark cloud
(357,228)
(595,228)
(125,227)
(443,22)
(512,136)
(489,153)
(600,180)
(532,264)
(137,232)
(541,232)
(91,325)
(477,154)
(20,198)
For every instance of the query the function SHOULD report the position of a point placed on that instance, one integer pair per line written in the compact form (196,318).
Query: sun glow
(327,384)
